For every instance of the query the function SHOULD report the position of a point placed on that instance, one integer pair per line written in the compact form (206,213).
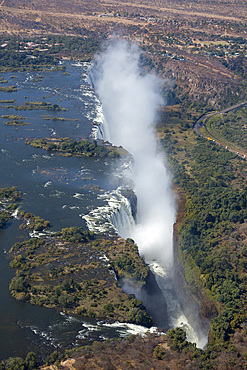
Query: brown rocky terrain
(194,44)
(201,48)
(152,25)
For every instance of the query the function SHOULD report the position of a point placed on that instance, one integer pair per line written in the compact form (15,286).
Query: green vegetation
(177,340)
(15,120)
(59,118)
(15,57)
(126,266)
(16,123)
(210,68)
(10,193)
(4,217)
(69,147)
(171,351)
(8,199)
(57,272)
(37,53)
(8,89)
(230,128)
(7,101)
(18,363)
(33,222)
(12,117)
(159,353)
(36,105)
(212,232)
(76,235)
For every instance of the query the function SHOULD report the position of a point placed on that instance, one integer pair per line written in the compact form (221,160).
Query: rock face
(151,296)
(155,302)
(191,303)
(130,195)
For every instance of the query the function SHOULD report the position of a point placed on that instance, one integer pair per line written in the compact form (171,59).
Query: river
(59,189)
(67,191)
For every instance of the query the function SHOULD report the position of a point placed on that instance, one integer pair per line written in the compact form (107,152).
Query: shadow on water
(152,297)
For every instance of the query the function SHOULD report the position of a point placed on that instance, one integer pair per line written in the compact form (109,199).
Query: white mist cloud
(130,101)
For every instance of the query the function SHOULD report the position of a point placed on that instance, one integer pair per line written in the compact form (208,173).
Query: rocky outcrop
(198,309)
(151,296)
(130,195)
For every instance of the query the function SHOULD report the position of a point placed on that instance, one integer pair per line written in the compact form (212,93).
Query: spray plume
(130,100)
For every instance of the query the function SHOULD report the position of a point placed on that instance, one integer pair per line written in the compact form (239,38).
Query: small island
(8,89)
(48,117)
(14,120)
(76,271)
(68,147)
(37,105)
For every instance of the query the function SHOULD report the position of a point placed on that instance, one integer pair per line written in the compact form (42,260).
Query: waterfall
(113,218)
(130,100)
(122,219)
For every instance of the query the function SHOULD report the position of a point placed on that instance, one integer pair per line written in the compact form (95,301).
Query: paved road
(199,124)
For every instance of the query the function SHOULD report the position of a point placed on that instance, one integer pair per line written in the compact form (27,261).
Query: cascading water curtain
(130,100)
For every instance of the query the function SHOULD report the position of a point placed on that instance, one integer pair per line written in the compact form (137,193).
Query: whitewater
(128,102)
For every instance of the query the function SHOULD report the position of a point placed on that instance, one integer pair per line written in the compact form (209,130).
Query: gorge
(52,186)
(130,100)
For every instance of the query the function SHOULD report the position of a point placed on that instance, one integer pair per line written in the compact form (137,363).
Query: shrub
(159,353)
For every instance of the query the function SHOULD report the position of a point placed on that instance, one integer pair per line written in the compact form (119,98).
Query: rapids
(129,101)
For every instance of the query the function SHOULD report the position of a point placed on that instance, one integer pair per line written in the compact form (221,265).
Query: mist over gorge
(130,100)
(47,49)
